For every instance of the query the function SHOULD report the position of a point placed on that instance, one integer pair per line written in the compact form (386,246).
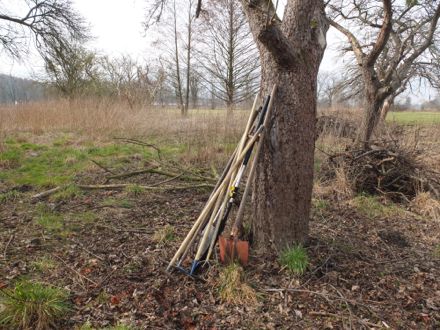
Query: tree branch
(278,45)
(384,34)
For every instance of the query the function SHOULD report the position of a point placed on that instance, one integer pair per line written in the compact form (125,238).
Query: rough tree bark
(290,55)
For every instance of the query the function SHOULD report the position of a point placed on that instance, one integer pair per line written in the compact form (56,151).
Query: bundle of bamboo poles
(212,220)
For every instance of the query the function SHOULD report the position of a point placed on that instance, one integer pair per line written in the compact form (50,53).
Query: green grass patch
(437,251)
(49,220)
(320,205)
(371,207)
(87,216)
(134,189)
(46,166)
(11,195)
(43,264)
(414,117)
(68,192)
(32,305)
(295,259)
(122,203)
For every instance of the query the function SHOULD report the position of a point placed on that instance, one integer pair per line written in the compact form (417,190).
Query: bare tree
(290,51)
(136,83)
(47,22)
(194,86)
(387,38)
(330,88)
(177,41)
(227,52)
(71,70)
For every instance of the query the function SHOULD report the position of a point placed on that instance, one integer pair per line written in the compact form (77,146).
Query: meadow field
(415,117)
(96,197)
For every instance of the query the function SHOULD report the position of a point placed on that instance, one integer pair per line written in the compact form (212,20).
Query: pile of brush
(385,168)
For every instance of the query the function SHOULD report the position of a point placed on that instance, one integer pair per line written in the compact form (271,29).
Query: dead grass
(232,287)
(201,138)
(98,117)
(425,205)
(338,188)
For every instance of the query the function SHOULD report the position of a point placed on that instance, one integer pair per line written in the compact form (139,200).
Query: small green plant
(295,259)
(134,189)
(437,251)
(11,195)
(165,234)
(43,264)
(32,306)
(102,298)
(50,221)
(123,203)
(320,205)
(68,192)
(86,326)
(247,230)
(87,217)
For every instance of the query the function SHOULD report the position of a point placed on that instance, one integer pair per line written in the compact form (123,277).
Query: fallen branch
(75,271)
(130,174)
(7,245)
(124,185)
(166,181)
(141,143)
(153,187)
(101,166)
(47,193)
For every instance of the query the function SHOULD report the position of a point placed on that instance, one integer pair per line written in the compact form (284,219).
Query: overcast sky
(117,27)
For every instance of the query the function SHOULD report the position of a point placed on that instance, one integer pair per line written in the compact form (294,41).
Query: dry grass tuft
(425,205)
(337,188)
(232,287)
(164,235)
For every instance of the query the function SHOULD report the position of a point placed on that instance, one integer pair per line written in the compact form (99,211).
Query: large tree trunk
(372,109)
(373,102)
(284,178)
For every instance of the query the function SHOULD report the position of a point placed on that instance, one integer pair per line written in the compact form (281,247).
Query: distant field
(414,117)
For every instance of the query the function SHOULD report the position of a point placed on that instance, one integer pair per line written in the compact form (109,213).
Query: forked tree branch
(384,34)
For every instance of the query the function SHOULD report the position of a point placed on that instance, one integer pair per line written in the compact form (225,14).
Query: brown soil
(364,273)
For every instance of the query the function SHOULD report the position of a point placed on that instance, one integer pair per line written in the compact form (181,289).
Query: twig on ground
(166,181)
(141,143)
(129,174)
(124,185)
(102,166)
(47,193)
(88,251)
(7,245)
(75,271)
